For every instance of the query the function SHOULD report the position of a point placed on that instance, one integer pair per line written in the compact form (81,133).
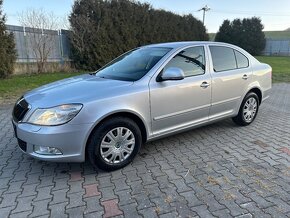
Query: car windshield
(133,65)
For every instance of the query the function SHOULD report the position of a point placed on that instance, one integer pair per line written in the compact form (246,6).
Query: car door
(181,103)
(231,75)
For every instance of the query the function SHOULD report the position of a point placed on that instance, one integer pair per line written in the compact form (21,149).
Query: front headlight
(55,115)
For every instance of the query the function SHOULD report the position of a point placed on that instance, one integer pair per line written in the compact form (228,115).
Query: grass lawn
(12,88)
(280,65)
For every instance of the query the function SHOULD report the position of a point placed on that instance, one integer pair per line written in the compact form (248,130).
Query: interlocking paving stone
(111,208)
(93,205)
(43,193)
(58,210)
(91,190)
(202,211)
(75,200)
(59,196)
(76,186)
(75,176)
(94,214)
(24,204)
(125,197)
(148,212)
(9,199)
(4,212)
(219,170)
(20,215)
(40,208)
(130,210)
(76,212)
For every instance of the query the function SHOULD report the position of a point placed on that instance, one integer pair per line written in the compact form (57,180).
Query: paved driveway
(219,170)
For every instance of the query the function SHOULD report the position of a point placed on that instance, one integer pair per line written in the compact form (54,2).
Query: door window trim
(193,58)
(224,46)
(237,59)
(159,71)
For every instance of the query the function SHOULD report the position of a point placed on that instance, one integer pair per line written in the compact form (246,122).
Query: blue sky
(275,14)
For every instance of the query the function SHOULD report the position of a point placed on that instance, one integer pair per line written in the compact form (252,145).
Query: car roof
(186,43)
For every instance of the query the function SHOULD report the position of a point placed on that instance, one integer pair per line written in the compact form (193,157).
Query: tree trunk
(40,67)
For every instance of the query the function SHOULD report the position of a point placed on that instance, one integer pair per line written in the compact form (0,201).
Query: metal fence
(277,47)
(60,50)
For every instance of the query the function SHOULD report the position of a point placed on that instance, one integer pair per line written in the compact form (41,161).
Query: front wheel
(248,110)
(114,143)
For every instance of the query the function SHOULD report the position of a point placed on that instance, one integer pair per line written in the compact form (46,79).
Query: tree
(104,29)
(247,34)
(224,33)
(7,47)
(38,25)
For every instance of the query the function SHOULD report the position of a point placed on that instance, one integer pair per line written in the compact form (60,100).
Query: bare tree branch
(38,24)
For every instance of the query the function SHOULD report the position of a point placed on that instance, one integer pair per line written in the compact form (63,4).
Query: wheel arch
(129,114)
(258,92)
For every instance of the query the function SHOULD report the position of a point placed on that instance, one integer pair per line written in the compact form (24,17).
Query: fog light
(46,150)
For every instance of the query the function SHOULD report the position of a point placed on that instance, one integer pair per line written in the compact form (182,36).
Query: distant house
(278,43)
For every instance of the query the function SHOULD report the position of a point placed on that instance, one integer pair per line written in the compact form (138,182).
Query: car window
(191,61)
(134,64)
(223,58)
(242,60)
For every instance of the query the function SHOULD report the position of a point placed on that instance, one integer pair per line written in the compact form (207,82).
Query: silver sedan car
(146,93)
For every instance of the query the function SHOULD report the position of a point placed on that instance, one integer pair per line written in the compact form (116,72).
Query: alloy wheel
(117,145)
(250,109)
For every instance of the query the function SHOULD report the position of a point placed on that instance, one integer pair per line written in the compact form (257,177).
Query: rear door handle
(245,77)
(204,85)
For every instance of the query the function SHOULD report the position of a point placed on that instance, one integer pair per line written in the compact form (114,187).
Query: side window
(242,60)
(191,61)
(223,58)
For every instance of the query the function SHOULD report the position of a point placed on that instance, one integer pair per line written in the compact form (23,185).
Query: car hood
(78,89)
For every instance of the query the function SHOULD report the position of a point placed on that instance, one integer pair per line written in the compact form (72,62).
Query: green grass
(280,65)
(13,87)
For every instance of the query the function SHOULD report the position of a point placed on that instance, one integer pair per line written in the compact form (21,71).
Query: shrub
(7,47)
(247,34)
(104,29)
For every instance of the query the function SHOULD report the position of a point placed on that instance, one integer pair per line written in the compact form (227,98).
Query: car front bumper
(68,138)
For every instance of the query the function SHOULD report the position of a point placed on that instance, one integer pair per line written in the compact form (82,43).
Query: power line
(204,9)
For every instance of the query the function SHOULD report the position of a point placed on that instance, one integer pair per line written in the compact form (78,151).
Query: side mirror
(172,73)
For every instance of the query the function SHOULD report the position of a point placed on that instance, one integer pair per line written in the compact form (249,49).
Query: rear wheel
(114,143)
(248,110)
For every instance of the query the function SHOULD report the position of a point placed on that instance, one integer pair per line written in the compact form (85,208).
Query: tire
(114,143)
(247,116)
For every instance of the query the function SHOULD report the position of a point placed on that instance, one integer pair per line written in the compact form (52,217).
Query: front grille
(22,145)
(20,109)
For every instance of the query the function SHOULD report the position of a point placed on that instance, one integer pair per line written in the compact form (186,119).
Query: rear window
(242,60)
(223,58)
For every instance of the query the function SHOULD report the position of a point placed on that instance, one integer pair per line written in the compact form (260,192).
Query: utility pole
(204,9)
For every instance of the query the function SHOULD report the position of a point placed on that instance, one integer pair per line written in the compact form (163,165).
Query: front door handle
(245,77)
(204,85)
